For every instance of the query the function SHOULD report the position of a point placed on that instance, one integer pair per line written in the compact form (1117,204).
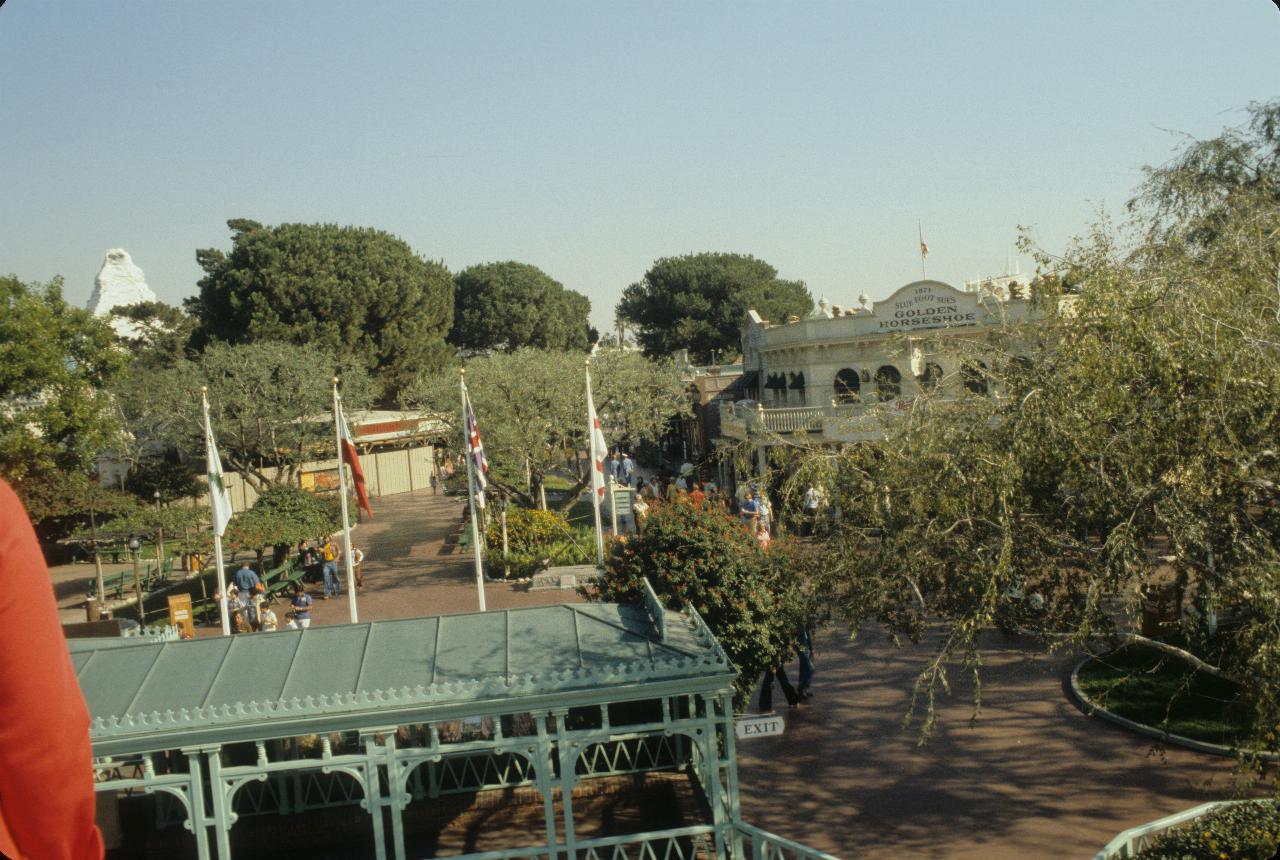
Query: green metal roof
(154,696)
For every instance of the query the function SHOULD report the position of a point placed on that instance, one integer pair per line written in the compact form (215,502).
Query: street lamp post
(159,536)
(134,546)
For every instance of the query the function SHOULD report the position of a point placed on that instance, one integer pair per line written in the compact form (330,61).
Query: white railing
(1136,839)
(683,843)
(757,844)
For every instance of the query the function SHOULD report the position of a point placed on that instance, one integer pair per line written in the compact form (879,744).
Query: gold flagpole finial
(204,389)
(335,380)
(586,362)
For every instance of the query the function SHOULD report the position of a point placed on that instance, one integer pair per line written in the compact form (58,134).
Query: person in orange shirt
(46,761)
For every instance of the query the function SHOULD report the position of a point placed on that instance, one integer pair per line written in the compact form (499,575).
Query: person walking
(628,470)
(812,500)
(766,689)
(247,587)
(749,510)
(332,587)
(357,556)
(762,535)
(301,608)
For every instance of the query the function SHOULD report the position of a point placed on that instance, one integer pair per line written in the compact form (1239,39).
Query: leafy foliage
(354,293)
(1242,831)
(697,302)
(281,517)
(697,555)
(1134,449)
(270,404)
(531,406)
(505,306)
(55,417)
(162,333)
(534,536)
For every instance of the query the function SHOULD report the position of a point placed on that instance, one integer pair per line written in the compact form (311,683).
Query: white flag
(219,497)
(599,448)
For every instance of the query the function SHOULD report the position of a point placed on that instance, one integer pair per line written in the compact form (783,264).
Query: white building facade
(844,373)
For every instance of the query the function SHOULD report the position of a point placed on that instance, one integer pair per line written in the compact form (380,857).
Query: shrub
(696,555)
(1242,831)
(527,530)
(533,536)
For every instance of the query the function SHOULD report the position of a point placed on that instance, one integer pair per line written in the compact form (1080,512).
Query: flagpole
(596,456)
(213,509)
(342,495)
(924,252)
(471,487)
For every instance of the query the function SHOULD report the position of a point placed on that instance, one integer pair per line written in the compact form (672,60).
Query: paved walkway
(1032,778)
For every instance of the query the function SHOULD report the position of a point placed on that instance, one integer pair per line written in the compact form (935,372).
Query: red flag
(351,458)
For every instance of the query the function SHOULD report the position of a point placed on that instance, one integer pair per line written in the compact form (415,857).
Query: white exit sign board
(759,727)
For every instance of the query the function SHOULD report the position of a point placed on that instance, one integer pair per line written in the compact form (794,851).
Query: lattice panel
(632,755)
(659,848)
(474,772)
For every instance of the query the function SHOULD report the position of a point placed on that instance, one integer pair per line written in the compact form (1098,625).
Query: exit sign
(759,727)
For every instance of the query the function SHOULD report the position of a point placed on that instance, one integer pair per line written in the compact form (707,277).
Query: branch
(1173,650)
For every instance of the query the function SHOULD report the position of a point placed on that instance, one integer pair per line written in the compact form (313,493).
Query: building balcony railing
(739,422)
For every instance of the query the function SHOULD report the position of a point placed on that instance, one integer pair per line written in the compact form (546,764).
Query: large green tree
(698,302)
(1134,453)
(55,416)
(270,404)
(357,293)
(505,306)
(531,406)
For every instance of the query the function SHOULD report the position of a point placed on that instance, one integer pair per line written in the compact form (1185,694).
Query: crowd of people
(250,603)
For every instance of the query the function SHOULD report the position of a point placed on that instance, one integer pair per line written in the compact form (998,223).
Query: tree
(696,555)
(356,293)
(697,302)
(270,404)
(505,306)
(1134,453)
(281,517)
(55,417)
(531,406)
(162,332)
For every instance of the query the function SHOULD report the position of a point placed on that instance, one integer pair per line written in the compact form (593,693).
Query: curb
(1091,709)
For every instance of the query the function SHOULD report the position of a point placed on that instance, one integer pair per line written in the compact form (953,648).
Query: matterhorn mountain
(119,283)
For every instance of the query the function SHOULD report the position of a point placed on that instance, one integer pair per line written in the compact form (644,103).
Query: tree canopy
(356,293)
(55,416)
(1134,453)
(698,302)
(531,404)
(270,404)
(281,517)
(505,306)
(698,555)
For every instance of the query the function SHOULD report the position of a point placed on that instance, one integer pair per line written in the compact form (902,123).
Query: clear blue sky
(591,138)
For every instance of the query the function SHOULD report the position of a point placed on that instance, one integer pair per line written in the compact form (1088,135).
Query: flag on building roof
(924,249)
(352,458)
(480,466)
(219,496)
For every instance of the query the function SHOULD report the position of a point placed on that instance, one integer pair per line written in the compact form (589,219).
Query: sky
(591,138)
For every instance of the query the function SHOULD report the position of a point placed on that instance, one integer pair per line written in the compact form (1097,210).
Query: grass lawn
(1138,683)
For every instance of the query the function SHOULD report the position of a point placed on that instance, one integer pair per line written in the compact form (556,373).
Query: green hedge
(1243,831)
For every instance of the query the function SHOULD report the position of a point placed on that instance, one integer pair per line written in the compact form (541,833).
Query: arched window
(888,382)
(975,377)
(848,388)
(930,377)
